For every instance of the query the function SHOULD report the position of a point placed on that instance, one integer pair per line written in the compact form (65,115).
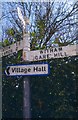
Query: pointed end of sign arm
(7,71)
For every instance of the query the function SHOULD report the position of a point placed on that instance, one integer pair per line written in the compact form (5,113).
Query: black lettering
(65,54)
(44,56)
(8,52)
(46,50)
(18,69)
(14,70)
(19,43)
(16,48)
(55,49)
(25,70)
(29,70)
(43,68)
(51,50)
(35,69)
(36,57)
(22,70)
(60,49)
(41,52)
(40,57)
(48,56)
(61,54)
(39,69)
(11,50)
(55,54)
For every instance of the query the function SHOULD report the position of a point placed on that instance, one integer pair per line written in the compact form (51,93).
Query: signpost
(31,69)
(53,52)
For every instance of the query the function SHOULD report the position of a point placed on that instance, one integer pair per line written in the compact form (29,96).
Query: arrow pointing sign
(50,53)
(32,69)
(9,50)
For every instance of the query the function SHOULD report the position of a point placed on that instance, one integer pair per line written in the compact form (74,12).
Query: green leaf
(10,32)
(6,42)
(33,34)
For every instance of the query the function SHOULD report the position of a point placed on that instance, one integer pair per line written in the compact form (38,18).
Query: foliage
(6,42)
(52,96)
(48,21)
(10,32)
(55,25)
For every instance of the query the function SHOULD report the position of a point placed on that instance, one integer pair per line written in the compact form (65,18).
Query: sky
(34,0)
(70,1)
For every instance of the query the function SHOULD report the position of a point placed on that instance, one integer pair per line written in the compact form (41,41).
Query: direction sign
(16,46)
(53,52)
(32,69)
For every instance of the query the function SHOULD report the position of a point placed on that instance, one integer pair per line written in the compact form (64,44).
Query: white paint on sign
(25,43)
(32,69)
(56,52)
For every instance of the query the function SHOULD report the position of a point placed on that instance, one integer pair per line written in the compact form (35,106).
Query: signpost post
(26,84)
